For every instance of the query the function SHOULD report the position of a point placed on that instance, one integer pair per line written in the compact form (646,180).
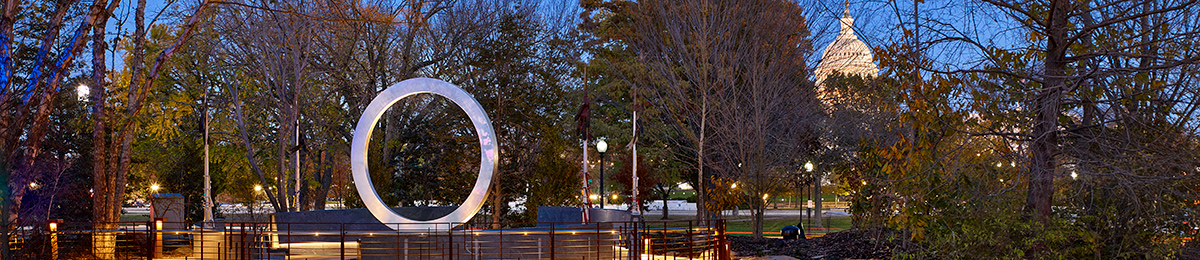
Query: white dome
(846,54)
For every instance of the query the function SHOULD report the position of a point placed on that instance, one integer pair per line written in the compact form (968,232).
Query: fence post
(638,228)
(723,243)
(689,238)
(343,229)
(597,238)
(150,249)
(552,256)
(245,248)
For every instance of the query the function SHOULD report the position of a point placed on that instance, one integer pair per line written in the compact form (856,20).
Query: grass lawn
(134,218)
(744,225)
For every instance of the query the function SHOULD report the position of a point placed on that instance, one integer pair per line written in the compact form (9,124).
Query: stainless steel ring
(362,136)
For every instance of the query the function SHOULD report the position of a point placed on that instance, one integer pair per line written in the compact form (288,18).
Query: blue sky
(876,22)
(122,21)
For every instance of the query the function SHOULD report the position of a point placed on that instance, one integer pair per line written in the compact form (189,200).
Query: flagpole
(208,203)
(637,209)
(585,123)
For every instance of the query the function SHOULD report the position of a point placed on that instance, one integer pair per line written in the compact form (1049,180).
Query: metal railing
(472,241)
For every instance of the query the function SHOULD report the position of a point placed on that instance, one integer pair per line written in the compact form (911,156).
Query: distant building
(846,54)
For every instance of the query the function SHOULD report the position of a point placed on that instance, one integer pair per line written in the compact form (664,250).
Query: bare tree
(769,111)
(346,50)
(273,42)
(681,43)
(735,92)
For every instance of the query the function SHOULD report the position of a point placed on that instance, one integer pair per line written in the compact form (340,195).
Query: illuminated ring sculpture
(362,136)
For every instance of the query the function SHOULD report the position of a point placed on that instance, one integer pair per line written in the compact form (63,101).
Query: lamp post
(601,147)
(808,167)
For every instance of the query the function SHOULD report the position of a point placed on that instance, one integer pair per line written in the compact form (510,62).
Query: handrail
(682,239)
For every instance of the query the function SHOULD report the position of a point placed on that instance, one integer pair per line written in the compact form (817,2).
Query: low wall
(569,216)
(657,205)
(596,241)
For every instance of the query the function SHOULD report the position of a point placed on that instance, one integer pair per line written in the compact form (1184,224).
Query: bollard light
(158,223)
(647,246)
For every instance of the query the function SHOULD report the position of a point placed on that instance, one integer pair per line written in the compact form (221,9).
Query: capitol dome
(847,53)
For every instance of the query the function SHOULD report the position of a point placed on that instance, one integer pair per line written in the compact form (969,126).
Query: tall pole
(585,119)
(602,198)
(637,209)
(601,147)
(208,203)
(296,193)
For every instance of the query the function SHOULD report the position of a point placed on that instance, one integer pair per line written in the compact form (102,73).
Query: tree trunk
(758,218)
(497,211)
(325,178)
(1044,146)
(23,161)
(241,125)
(701,198)
(817,202)
(665,215)
(281,176)
(103,244)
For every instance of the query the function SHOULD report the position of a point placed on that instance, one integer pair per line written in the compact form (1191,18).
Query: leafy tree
(520,74)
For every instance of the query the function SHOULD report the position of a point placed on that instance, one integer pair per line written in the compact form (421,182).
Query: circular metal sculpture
(362,136)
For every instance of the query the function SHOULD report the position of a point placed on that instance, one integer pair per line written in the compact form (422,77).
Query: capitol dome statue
(847,53)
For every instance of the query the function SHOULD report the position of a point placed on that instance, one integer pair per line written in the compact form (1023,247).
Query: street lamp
(808,166)
(81,92)
(601,147)
(154,187)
